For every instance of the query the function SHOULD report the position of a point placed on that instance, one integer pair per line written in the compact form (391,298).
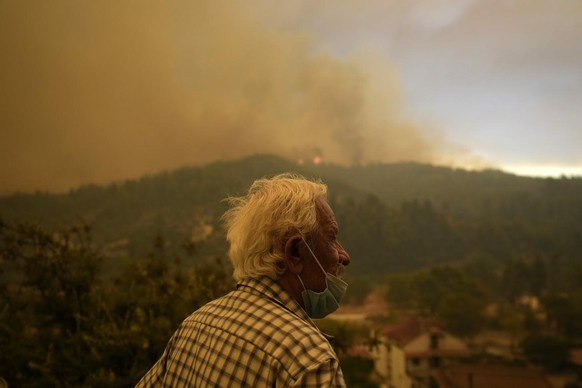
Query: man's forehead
(325,214)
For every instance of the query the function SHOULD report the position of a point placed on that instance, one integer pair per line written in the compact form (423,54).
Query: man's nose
(344,256)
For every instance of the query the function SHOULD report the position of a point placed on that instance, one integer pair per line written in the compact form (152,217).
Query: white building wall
(398,376)
(419,344)
(451,343)
(390,365)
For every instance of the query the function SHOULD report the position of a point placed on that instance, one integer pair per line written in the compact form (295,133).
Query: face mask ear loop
(313,254)
(299,277)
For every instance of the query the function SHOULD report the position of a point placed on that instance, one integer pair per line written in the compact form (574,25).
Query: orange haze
(100,91)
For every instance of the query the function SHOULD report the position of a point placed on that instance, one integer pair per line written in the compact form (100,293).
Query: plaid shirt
(256,336)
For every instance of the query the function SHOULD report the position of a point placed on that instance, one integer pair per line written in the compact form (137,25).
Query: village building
(405,354)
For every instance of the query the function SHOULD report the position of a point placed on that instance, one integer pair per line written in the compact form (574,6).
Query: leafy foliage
(356,369)
(64,325)
(565,311)
(443,292)
(549,351)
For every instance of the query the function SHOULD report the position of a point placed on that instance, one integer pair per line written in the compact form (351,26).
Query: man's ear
(291,254)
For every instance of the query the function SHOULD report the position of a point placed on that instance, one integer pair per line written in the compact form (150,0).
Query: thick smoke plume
(100,91)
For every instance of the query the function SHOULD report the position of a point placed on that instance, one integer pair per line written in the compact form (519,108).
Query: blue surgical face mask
(321,304)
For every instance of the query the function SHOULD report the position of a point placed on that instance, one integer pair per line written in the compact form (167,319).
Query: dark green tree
(565,313)
(48,287)
(548,351)
(462,313)
(62,323)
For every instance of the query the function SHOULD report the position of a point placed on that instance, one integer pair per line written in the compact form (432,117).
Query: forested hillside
(392,217)
(93,282)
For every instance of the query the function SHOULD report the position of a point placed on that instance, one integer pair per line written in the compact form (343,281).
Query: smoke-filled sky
(96,91)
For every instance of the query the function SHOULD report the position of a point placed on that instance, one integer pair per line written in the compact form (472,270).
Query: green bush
(62,324)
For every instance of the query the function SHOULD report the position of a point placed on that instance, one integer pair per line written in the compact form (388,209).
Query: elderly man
(287,262)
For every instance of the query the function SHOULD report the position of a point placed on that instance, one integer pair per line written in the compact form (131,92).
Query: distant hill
(392,216)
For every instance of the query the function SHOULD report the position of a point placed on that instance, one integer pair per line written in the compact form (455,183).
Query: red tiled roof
(408,330)
(359,351)
(486,376)
(438,352)
(576,356)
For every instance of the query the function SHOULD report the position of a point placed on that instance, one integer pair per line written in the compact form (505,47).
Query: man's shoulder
(251,309)
(263,328)
(266,323)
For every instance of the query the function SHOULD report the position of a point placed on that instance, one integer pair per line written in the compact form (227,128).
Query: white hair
(259,223)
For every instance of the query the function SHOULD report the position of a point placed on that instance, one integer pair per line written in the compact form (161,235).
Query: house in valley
(405,354)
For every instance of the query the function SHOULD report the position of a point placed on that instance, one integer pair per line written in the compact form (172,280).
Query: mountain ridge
(408,213)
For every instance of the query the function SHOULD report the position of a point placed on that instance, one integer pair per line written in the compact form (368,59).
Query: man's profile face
(331,254)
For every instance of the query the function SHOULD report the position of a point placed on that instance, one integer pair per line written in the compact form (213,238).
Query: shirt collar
(273,290)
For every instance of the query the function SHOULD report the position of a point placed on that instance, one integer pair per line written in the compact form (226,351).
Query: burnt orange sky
(100,91)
